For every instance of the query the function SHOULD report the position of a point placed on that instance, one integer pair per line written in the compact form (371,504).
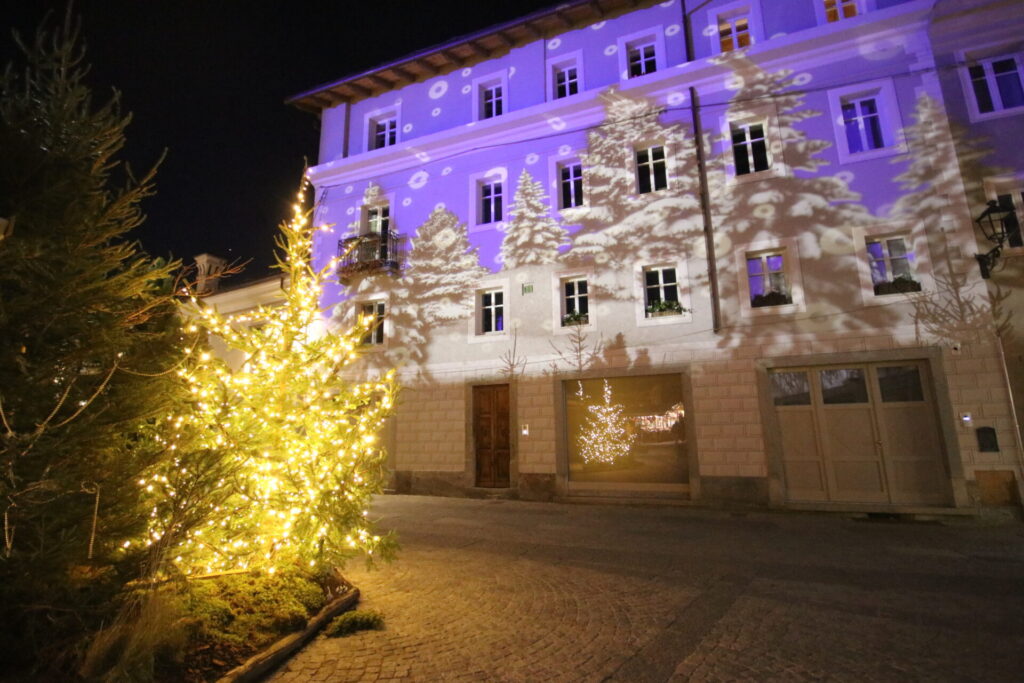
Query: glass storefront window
(626,430)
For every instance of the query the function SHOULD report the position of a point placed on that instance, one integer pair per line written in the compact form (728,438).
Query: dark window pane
(853,141)
(901,383)
(843,385)
(760,155)
(1008,82)
(790,388)
(644,179)
(873,129)
(660,176)
(651,278)
(981,93)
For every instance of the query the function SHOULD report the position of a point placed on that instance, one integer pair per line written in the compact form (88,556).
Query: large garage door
(860,433)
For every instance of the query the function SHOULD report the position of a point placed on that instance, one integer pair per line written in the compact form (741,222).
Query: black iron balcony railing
(370,254)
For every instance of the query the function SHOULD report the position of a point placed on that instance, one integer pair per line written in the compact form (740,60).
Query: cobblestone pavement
(513,591)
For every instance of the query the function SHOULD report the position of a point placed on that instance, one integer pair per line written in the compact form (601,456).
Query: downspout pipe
(702,177)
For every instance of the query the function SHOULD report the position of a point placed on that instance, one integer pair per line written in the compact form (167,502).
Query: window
(642,58)
(749,147)
(862,124)
(734,32)
(373,312)
(996,84)
(734,26)
(766,279)
(570,185)
(867,121)
(490,202)
(661,291)
(840,9)
(492,311)
(377,219)
(892,265)
(381,128)
(566,80)
(385,132)
(651,174)
(575,302)
(491,101)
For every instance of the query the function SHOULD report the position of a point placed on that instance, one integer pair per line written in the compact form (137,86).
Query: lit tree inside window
(605,437)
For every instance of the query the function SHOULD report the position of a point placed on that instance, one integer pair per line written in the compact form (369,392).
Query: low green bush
(356,620)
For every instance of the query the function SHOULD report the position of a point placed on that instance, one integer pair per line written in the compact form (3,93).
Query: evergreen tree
(531,237)
(296,457)
(86,326)
(620,224)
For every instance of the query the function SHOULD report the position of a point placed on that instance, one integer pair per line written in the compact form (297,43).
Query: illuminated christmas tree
(278,459)
(605,437)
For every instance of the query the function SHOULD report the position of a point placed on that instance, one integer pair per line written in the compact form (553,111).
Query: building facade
(716,252)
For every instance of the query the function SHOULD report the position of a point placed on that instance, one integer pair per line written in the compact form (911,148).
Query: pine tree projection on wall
(620,225)
(605,437)
(279,458)
(791,198)
(958,309)
(532,236)
(436,287)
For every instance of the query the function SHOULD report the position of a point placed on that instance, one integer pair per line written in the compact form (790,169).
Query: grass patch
(200,629)
(356,620)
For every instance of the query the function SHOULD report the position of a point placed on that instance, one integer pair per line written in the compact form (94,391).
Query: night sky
(207,79)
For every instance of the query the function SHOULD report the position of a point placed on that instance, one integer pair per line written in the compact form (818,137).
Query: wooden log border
(260,664)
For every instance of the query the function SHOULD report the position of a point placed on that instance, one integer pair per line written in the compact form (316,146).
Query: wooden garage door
(860,433)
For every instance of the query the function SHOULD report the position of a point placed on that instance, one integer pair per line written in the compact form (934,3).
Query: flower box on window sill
(771,299)
(570,319)
(901,285)
(658,309)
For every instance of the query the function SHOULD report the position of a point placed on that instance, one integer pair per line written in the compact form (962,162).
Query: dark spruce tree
(87,334)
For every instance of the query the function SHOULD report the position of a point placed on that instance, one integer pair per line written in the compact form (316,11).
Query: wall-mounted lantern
(994,223)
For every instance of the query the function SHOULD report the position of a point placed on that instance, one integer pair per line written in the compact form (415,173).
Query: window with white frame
(376,229)
(734,31)
(570,184)
(891,261)
(661,291)
(492,100)
(651,171)
(641,57)
(767,280)
(750,147)
(836,10)
(383,130)
(996,83)
(565,79)
(490,202)
(492,311)
(575,301)
(372,313)
(867,120)
(378,219)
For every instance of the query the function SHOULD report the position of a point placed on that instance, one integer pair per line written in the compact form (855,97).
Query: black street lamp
(993,223)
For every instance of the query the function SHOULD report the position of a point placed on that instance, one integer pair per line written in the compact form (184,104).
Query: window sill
(667,318)
(485,337)
(880,153)
(1000,114)
(776,171)
(494,225)
(760,311)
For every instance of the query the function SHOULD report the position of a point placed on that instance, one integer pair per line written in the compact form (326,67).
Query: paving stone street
(514,591)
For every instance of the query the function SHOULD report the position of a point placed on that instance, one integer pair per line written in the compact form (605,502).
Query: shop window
(626,430)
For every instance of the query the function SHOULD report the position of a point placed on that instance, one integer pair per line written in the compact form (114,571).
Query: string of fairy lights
(275,462)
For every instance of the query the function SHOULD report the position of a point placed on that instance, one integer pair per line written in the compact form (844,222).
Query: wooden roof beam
(379,81)
(403,74)
(477,49)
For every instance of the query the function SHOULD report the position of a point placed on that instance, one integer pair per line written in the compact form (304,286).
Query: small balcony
(370,254)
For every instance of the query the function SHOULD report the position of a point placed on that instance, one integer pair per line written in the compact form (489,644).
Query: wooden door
(491,435)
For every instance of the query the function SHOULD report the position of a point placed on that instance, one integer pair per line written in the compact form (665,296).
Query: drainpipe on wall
(702,177)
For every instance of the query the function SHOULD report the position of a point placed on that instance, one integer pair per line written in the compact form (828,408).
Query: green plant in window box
(771,299)
(575,318)
(899,285)
(660,307)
